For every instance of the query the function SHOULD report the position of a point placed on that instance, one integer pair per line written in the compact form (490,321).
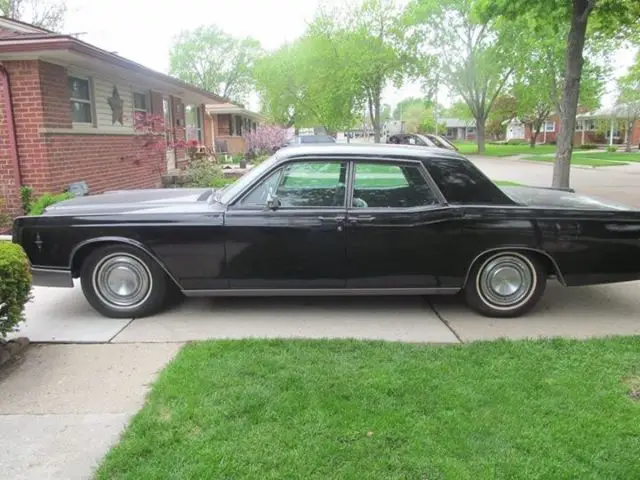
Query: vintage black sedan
(334,220)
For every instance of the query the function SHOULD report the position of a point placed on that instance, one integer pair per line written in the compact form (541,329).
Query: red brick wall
(50,161)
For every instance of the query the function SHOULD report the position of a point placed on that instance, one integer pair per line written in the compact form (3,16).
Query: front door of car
(400,234)
(288,231)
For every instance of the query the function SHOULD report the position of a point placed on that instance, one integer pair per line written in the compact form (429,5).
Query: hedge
(38,206)
(15,286)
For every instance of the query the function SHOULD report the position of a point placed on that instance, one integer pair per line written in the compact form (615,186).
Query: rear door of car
(299,245)
(400,231)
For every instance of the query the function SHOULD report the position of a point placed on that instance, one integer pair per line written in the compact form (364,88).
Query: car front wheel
(505,284)
(120,281)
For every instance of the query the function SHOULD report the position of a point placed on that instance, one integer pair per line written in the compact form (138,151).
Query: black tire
(526,272)
(132,264)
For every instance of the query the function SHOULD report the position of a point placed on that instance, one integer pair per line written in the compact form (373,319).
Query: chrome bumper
(48,277)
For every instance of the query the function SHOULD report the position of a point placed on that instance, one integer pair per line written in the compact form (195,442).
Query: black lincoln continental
(334,220)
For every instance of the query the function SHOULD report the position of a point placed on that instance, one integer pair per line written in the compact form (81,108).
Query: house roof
(223,108)
(456,122)
(620,110)
(22,41)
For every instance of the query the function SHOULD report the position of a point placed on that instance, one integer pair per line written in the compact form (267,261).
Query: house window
(193,117)
(238,131)
(80,100)
(140,102)
(550,126)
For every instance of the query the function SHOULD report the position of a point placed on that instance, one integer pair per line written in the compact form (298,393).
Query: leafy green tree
(476,56)
(628,102)
(215,61)
(583,20)
(504,109)
(48,14)
(406,103)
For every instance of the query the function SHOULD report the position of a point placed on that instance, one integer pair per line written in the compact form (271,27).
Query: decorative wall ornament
(116,104)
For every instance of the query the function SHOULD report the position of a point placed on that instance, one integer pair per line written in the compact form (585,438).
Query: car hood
(554,198)
(135,201)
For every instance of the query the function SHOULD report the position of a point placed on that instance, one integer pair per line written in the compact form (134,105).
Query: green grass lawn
(260,409)
(505,150)
(579,159)
(507,183)
(613,156)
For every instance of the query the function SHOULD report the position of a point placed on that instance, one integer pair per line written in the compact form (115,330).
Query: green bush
(15,286)
(5,220)
(206,174)
(612,149)
(517,141)
(26,197)
(259,159)
(43,201)
(588,146)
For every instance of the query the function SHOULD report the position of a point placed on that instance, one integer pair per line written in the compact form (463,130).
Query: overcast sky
(142,30)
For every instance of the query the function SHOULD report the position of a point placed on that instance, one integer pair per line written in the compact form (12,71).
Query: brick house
(227,123)
(591,127)
(67,115)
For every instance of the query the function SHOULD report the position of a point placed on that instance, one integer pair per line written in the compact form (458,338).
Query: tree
(597,20)
(628,102)
(476,56)
(308,82)
(215,61)
(374,35)
(406,103)
(504,109)
(47,14)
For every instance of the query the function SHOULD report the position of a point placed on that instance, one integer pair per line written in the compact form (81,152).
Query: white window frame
(549,123)
(89,102)
(147,101)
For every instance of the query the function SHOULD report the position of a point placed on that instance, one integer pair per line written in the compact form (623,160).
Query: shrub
(517,141)
(26,197)
(206,174)
(588,146)
(612,149)
(15,286)
(260,158)
(266,139)
(5,220)
(47,199)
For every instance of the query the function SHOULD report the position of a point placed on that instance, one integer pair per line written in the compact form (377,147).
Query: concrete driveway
(63,316)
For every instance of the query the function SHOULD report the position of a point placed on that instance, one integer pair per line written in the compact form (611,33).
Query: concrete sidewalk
(63,406)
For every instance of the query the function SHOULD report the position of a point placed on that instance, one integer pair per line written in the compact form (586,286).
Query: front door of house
(168,123)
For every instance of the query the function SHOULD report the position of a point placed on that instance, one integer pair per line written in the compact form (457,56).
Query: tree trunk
(376,119)
(628,134)
(535,131)
(573,72)
(480,124)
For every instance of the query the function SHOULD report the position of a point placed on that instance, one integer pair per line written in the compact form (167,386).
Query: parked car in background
(304,139)
(334,220)
(423,140)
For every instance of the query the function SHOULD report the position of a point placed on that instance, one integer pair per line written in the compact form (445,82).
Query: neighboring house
(226,123)
(67,114)
(458,129)
(601,126)
(517,130)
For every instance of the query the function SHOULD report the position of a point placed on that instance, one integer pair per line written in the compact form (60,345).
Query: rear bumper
(48,277)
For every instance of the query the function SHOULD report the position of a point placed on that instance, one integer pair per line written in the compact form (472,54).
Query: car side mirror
(273,202)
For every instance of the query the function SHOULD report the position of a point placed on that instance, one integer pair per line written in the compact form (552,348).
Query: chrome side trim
(515,249)
(316,292)
(127,241)
(50,277)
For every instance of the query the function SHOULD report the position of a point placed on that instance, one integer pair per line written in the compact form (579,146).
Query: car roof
(380,151)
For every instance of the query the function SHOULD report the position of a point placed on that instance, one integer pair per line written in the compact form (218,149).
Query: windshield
(229,192)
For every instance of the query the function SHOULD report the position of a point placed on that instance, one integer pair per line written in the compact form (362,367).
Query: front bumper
(48,277)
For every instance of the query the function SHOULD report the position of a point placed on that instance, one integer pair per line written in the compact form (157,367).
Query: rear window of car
(461,182)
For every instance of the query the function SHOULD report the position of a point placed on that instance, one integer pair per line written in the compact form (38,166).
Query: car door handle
(337,218)
(362,219)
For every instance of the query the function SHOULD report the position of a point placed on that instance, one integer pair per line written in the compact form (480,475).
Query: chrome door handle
(337,218)
(362,219)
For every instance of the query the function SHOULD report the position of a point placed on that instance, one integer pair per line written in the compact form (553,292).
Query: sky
(142,30)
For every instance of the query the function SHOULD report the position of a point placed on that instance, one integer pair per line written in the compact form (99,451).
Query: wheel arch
(82,250)
(547,260)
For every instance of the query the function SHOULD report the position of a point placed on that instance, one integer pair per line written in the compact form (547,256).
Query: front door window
(302,185)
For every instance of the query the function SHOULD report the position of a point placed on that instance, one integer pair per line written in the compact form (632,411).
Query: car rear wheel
(505,284)
(120,281)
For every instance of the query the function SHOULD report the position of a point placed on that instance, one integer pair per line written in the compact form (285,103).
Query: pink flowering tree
(266,139)
(151,140)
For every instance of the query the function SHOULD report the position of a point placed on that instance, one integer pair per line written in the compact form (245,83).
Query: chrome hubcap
(506,281)
(122,281)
